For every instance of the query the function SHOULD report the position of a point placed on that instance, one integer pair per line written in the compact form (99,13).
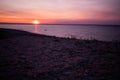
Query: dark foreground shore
(28,56)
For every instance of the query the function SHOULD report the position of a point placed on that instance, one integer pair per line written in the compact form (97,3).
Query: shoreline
(29,56)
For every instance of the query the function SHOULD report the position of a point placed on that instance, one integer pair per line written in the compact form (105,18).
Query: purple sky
(61,11)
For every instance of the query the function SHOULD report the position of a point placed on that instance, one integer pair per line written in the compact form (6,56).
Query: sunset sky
(60,11)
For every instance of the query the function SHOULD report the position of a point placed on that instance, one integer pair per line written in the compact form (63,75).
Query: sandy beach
(28,56)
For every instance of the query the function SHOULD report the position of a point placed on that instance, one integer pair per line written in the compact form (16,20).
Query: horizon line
(93,24)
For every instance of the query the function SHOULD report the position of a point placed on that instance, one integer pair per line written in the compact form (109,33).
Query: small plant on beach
(73,37)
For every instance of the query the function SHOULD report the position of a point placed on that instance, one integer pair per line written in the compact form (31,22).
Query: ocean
(104,33)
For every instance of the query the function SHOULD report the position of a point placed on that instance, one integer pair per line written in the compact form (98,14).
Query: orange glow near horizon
(36,22)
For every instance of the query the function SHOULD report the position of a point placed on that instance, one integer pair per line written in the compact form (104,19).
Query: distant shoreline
(63,24)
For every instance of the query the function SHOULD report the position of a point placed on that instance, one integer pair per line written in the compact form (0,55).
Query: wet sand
(28,56)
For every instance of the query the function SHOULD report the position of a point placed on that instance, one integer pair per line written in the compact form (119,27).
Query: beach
(29,56)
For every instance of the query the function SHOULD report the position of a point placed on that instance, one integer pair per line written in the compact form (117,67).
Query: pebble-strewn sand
(26,56)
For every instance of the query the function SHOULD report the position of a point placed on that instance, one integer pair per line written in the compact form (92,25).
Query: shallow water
(106,33)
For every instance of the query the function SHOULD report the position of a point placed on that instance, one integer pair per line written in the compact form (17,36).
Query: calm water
(107,33)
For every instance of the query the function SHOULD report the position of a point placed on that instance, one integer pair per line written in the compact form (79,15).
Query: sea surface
(104,33)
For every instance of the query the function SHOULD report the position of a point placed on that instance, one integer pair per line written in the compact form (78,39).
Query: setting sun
(36,22)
